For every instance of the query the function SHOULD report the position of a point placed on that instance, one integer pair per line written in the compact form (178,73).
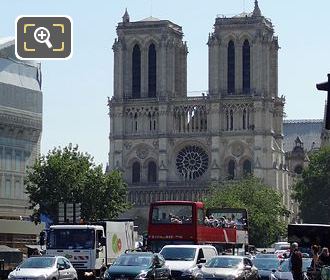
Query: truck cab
(81,244)
(91,248)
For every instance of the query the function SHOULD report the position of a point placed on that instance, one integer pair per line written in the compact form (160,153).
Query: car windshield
(284,266)
(266,263)
(134,260)
(223,262)
(178,254)
(71,239)
(38,262)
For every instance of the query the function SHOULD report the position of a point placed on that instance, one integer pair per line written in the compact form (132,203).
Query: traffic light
(326,87)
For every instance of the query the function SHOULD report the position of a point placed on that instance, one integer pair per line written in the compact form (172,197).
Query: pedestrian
(324,258)
(296,262)
(315,260)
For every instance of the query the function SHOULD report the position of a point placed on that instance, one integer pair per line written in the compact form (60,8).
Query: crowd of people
(320,259)
(225,222)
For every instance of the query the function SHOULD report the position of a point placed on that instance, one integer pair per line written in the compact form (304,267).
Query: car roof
(188,246)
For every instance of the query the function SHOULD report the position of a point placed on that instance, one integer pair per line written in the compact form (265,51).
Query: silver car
(229,268)
(44,268)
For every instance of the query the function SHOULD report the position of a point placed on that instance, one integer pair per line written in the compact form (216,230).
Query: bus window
(172,214)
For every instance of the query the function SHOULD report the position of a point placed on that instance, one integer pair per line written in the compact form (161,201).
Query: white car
(283,271)
(183,260)
(44,268)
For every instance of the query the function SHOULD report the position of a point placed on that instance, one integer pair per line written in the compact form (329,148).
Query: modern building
(20,133)
(171,146)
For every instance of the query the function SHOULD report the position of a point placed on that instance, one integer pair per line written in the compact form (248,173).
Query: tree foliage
(313,190)
(263,204)
(70,176)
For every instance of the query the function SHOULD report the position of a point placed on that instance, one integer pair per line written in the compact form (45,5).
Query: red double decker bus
(187,222)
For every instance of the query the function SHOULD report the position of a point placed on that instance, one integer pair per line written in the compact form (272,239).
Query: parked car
(229,268)
(139,266)
(283,271)
(44,268)
(183,259)
(265,266)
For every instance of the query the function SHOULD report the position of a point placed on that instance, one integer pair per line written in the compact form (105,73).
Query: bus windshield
(71,239)
(172,214)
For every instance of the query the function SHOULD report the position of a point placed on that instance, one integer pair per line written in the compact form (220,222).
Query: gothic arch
(245,36)
(246,67)
(136,41)
(230,37)
(247,166)
(231,61)
(136,71)
(136,172)
(230,168)
(152,70)
(146,44)
(131,161)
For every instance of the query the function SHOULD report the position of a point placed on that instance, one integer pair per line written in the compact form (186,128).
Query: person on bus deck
(231,223)
(175,219)
(324,258)
(212,222)
(315,260)
(221,222)
(296,262)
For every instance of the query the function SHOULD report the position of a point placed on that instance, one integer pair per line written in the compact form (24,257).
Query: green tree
(312,191)
(70,176)
(263,204)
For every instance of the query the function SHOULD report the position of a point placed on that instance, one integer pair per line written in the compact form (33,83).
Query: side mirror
(60,267)
(201,260)
(103,241)
(199,265)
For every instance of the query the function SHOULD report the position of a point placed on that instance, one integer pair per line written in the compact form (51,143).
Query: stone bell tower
(150,60)
(243,77)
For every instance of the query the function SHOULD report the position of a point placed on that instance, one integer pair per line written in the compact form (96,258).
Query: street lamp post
(326,87)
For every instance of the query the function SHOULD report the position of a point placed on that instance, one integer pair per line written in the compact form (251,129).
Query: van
(183,260)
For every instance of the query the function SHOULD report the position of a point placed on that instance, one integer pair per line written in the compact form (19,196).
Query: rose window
(192,162)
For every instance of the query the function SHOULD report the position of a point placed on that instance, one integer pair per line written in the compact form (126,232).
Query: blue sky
(75,91)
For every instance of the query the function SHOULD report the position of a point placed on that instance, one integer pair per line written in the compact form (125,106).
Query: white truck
(90,248)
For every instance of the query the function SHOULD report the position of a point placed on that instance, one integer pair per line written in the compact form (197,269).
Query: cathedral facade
(171,146)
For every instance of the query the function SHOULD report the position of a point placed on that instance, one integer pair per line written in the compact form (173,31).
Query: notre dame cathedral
(170,146)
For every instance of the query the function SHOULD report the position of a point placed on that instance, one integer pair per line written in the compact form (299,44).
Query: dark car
(266,266)
(229,268)
(138,266)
